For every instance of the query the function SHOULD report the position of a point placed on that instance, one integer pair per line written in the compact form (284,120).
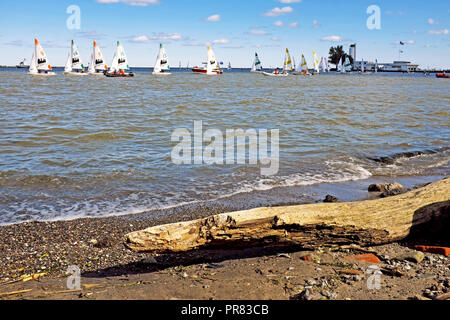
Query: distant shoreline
(243,69)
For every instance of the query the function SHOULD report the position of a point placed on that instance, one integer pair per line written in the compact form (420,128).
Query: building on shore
(396,66)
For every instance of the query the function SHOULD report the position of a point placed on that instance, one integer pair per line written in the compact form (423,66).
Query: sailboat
(39,63)
(119,64)
(327,65)
(287,62)
(162,62)
(376,66)
(229,66)
(316,63)
(287,66)
(74,65)
(257,66)
(322,66)
(97,65)
(340,66)
(347,65)
(302,68)
(33,67)
(212,67)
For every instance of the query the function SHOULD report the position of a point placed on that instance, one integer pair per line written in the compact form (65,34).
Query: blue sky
(235,28)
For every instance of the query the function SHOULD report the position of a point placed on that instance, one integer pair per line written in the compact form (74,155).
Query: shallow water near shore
(75,147)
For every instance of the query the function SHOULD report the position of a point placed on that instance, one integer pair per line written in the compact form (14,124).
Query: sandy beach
(111,271)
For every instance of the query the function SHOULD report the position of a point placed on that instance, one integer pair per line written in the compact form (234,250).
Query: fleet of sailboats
(39,64)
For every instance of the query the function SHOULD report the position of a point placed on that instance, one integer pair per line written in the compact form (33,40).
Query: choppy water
(93,146)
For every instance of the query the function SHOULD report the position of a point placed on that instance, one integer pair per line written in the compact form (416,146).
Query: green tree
(337,53)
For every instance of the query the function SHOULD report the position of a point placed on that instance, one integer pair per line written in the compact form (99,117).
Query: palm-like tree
(337,53)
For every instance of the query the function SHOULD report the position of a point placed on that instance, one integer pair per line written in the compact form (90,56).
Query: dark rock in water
(330,199)
(386,187)
(408,154)
(392,193)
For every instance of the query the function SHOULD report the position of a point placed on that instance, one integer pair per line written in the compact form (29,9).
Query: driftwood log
(369,222)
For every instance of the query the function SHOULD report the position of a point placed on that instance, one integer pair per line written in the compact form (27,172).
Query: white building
(396,66)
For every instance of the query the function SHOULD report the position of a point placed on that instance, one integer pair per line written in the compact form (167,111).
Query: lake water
(95,146)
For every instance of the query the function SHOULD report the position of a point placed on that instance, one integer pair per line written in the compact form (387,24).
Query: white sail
(114,64)
(347,64)
(316,63)
(77,63)
(257,66)
(212,63)
(322,66)
(41,57)
(287,62)
(33,68)
(341,65)
(303,66)
(92,64)
(162,61)
(68,67)
(98,58)
(327,65)
(120,61)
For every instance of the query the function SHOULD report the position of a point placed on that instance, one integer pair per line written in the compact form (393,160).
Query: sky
(236,29)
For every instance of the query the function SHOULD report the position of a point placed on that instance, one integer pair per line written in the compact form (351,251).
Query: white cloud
(140,39)
(214,18)
(139,3)
(278,24)
(221,41)
(316,24)
(275,12)
(442,31)
(431,21)
(289,1)
(332,39)
(258,32)
(158,37)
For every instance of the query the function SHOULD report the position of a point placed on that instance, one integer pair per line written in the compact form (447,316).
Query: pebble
(311,282)
(413,256)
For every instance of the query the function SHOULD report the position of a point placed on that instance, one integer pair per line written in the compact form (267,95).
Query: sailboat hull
(49,74)
(119,75)
(161,73)
(296,73)
(200,70)
(267,74)
(75,73)
(96,73)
